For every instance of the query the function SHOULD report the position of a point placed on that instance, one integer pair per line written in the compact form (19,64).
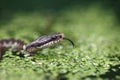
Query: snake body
(31,48)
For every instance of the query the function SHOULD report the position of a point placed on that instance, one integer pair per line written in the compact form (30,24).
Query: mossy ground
(96,55)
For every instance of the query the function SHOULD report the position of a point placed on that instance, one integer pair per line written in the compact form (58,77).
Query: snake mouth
(48,44)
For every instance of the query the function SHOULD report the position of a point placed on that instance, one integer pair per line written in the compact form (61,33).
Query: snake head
(46,41)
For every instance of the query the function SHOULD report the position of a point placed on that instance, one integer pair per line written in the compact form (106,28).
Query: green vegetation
(96,55)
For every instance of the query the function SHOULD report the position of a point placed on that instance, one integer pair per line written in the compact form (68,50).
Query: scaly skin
(33,47)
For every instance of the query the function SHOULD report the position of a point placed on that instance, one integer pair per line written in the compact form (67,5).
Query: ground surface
(96,55)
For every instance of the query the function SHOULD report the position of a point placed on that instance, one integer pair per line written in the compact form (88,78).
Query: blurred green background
(58,16)
(94,26)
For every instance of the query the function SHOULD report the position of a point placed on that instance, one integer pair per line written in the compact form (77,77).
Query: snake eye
(60,36)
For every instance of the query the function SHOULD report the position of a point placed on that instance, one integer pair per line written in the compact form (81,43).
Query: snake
(31,48)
